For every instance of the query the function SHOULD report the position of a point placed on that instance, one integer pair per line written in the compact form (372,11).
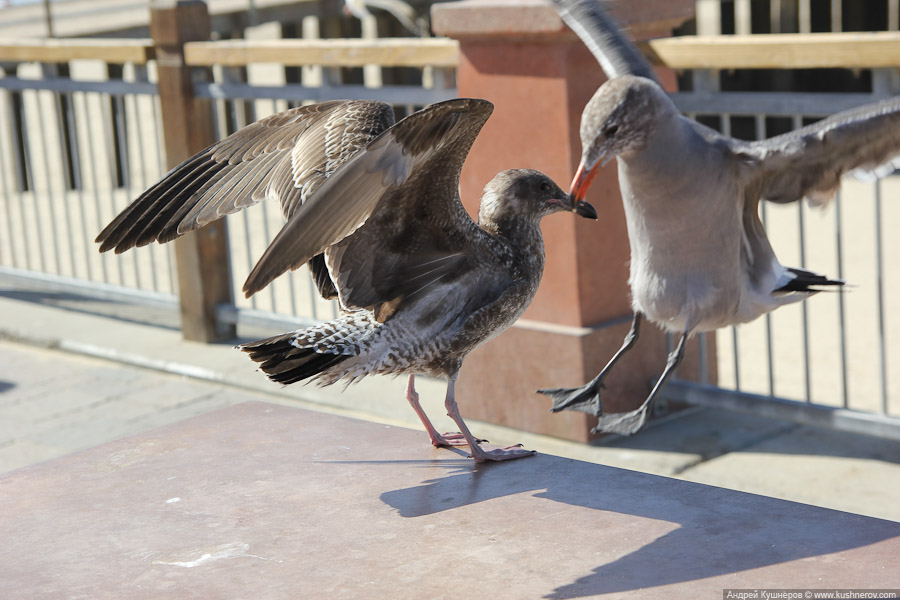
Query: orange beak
(581,182)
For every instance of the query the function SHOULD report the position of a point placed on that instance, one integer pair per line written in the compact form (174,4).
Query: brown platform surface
(266,502)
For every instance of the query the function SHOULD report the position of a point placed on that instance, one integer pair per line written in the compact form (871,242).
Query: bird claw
(498,454)
(626,423)
(452,439)
(585,399)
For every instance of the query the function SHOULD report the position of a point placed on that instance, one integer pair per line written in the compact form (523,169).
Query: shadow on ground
(719,531)
(131,313)
(711,433)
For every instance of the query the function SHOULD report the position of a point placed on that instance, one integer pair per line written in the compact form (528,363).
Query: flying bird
(373,207)
(700,258)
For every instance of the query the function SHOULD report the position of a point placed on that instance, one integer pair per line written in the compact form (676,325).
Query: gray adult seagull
(700,258)
(373,207)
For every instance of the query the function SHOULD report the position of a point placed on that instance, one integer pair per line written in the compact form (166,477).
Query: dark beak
(577,191)
(583,209)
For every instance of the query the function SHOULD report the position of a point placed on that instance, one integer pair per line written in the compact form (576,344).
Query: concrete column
(520,55)
(201,257)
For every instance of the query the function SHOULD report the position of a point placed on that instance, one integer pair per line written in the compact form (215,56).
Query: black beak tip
(583,209)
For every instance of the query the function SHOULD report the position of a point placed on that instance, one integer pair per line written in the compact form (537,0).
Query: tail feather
(800,280)
(285,363)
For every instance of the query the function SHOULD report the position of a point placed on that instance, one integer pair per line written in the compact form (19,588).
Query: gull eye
(611,131)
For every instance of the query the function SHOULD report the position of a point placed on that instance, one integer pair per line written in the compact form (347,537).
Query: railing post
(204,275)
(520,56)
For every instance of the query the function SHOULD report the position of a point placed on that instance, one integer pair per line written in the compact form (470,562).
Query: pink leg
(478,453)
(437,439)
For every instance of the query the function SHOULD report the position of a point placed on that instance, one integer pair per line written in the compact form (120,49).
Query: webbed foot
(584,399)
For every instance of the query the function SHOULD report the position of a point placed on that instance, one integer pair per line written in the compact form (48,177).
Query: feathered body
(373,208)
(434,331)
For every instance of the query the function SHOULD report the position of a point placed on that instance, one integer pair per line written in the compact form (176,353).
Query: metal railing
(78,141)
(75,149)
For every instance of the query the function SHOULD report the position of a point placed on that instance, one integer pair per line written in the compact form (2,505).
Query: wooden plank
(138,51)
(204,276)
(385,52)
(778,51)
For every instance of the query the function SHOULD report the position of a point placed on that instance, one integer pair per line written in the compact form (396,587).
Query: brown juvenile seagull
(700,258)
(374,208)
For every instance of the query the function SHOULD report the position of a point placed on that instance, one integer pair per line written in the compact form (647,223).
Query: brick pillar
(520,55)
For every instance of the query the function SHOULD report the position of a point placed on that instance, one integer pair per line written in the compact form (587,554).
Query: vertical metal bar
(154,103)
(742,19)
(760,126)
(120,145)
(67,176)
(7,204)
(893,15)
(29,178)
(18,152)
(291,280)
(725,126)
(95,183)
(704,356)
(292,291)
(839,239)
(775,16)
(879,279)
(709,17)
(78,180)
(797,122)
(312,298)
(804,17)
(268,238)
(141,175)
(107,118)
(837,17)
(45,148)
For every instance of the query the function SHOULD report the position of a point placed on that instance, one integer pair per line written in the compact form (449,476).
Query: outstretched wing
(809,162)
(399,226)
(286,156)
(604,38)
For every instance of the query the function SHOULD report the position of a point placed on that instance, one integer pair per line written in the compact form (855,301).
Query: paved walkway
(73,377)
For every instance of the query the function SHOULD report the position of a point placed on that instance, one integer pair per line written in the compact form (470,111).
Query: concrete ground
(76,373)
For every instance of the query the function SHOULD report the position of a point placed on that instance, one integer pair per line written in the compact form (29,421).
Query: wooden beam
(204,276)
(777,51)
(386,52)
(59,51)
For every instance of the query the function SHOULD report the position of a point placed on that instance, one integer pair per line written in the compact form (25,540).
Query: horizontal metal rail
(248,317)
(817,415)
(786,104)
(115,87)
(91,289)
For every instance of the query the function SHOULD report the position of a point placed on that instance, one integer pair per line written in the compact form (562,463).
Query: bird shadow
(718,531)
(5,386)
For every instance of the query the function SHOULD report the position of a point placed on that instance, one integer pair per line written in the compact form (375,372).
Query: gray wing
(399,226)
(604,38)
(809,162)
(286,156)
